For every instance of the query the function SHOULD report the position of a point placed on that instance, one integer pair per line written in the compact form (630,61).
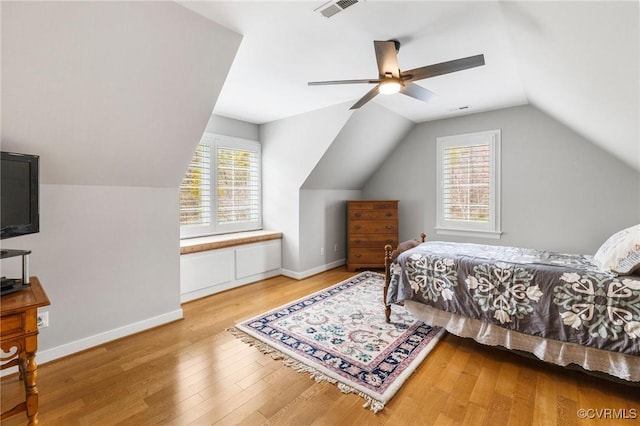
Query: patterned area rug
(340,335)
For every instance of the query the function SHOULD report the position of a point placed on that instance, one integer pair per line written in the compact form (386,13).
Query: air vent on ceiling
(460,108)
(330,8)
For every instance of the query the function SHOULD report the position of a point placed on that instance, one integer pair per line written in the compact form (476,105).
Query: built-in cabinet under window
(208,267)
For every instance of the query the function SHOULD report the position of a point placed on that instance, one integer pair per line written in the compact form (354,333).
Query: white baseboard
(98,339)
(313,271)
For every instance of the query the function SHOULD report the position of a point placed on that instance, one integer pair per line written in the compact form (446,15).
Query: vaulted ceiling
(577,61)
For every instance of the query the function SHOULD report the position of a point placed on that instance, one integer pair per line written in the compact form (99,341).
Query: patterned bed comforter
(557,296)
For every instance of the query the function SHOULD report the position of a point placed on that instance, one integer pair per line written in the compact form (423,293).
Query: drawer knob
(357,214)
(357,241)
(389,214)
(357,227)
(389,227)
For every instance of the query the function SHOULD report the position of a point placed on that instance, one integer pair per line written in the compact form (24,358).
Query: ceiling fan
(392,80)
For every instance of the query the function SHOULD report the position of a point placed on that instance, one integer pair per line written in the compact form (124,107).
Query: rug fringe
(371,403)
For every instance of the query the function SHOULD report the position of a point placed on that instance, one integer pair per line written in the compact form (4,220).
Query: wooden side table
(19,342)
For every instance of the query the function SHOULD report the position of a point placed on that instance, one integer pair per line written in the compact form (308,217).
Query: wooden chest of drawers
(371,224)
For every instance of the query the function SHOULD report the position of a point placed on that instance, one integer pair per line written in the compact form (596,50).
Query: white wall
(559,191)
(323,225)
(290,150)
(114,97)
(231,127)
(108,259)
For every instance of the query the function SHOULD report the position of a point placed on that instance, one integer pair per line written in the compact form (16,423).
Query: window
(221,190)
(468,191)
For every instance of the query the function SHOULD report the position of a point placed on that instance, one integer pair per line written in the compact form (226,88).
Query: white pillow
(621,252)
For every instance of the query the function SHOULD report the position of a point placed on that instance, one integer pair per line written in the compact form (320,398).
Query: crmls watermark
(608,413)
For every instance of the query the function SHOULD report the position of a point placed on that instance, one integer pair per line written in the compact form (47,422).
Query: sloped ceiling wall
(361,146)
(110,93)
(579,62)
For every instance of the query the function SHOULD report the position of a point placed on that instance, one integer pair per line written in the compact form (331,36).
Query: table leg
(30,372)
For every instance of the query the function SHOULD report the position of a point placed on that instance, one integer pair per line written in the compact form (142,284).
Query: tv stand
(10,285)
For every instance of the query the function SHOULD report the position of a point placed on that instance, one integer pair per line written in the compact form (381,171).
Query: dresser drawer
(373,256)
(11,324)
(372,227)
(356,214)
(368,240)
(373,205)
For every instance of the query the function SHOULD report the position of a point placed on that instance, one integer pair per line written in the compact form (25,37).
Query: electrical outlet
(335,247)
(321,251)
(43,319)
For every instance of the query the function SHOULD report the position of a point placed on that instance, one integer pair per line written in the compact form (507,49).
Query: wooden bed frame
(388,249)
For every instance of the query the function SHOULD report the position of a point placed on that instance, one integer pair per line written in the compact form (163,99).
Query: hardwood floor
(194,372)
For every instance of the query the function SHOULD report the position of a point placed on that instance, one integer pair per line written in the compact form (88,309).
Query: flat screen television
(19,193)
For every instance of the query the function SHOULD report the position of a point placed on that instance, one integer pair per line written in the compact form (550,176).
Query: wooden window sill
(213,242)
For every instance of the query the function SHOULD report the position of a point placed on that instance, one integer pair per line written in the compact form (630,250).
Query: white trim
(469,233)
(313,271)
(98,339)
(492,229)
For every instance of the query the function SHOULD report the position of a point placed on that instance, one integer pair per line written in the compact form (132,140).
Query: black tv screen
(19,186)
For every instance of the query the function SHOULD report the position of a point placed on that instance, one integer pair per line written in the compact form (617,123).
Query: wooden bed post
(387,280)
(387,276)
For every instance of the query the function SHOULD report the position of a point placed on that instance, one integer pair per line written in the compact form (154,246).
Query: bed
(566,309)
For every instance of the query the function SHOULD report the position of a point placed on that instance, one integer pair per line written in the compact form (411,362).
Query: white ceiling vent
(460,108)
(330,8)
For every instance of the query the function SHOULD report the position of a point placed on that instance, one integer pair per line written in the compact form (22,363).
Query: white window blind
(221,190)
(468,195)
(195,190)
(465,183)
(238,185)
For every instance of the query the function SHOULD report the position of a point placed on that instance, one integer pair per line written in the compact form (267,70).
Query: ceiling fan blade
(418,92)
(322,83)
(366,98)
(444,67)
(387,58)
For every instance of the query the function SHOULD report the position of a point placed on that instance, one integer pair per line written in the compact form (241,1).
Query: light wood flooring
(194,372)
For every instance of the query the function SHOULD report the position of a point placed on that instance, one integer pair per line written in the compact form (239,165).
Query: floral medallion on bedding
(604,306)
(433,277)
(504,289)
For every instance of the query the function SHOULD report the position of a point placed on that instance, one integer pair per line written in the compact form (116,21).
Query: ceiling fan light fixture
(390,86)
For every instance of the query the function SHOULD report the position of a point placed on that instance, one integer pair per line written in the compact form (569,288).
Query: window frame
(216,141)
(491,229)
